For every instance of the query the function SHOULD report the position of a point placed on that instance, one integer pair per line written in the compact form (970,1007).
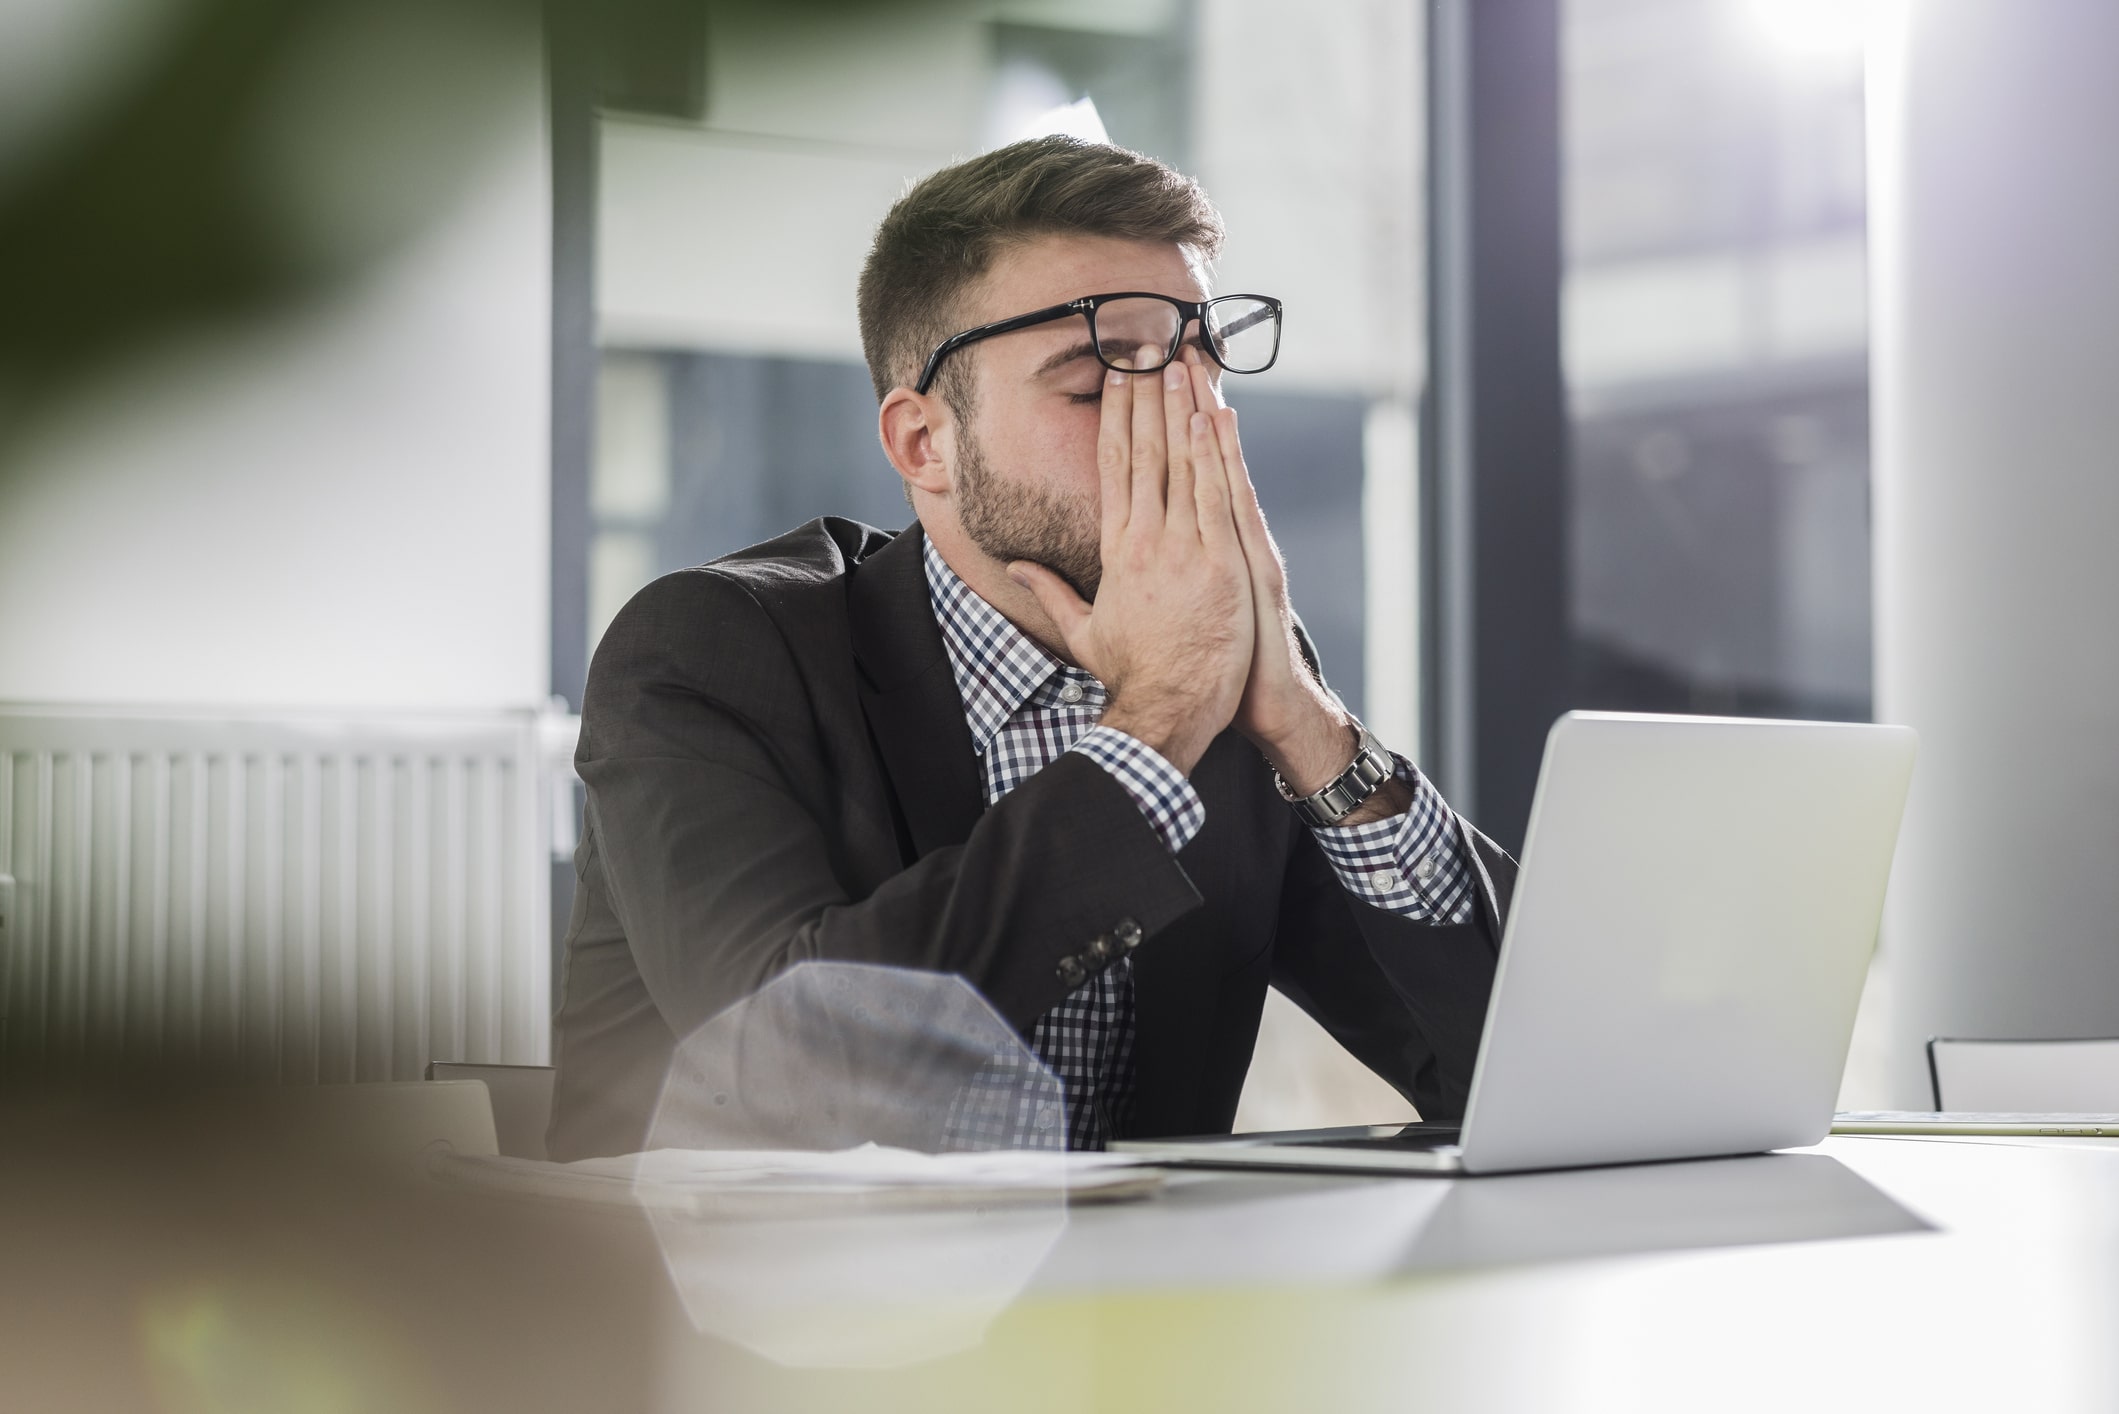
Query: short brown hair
(943,234)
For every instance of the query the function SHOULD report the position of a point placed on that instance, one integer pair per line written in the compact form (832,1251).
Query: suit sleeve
(708,779)
(1407,997)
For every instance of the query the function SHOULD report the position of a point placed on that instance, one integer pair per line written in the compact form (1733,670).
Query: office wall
(343,505)
(1995,206)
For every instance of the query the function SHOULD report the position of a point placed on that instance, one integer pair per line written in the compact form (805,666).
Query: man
(1032,739)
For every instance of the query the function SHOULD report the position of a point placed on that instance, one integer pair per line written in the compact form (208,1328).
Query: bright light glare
(1029,100)
(1077,119)
(1823,29)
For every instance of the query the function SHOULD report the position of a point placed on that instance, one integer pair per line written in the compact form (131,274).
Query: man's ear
(917,437)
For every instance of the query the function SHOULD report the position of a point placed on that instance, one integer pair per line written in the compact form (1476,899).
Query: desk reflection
(1231,1229)
(1612,1212)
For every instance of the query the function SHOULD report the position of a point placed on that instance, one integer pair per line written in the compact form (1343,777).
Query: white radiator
(297,899)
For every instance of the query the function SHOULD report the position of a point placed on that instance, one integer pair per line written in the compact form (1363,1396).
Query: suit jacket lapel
(910,696)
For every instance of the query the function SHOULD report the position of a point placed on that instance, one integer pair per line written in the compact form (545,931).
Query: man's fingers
(1151,452)
(1213,490)
(1114,456)
(1068,611)
(1177,429)
(1248,515)
(1258,546)
(1206,393)
(1217,525)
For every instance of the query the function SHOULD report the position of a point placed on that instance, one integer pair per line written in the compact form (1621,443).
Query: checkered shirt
(1411,864)
(1024,708)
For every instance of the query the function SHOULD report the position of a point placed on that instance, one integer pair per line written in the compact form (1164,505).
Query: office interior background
(1722,356)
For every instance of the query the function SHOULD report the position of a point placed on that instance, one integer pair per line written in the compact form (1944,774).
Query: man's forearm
(743,888)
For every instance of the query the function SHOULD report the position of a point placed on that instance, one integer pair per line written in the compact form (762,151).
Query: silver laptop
(1692,926)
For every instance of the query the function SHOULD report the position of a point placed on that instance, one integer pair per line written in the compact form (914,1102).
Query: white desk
(154,1263)
(1880,1274)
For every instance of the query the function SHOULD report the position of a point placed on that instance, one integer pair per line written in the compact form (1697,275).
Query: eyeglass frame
(1191,310)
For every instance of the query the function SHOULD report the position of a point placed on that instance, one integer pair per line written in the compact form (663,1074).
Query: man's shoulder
(806,565)
(816,552)
(749,628)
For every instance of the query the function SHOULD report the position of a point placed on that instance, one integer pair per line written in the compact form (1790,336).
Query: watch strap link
(1343,796)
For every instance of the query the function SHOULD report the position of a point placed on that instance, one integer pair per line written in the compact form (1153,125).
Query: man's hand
(1172,630)
(1285,711)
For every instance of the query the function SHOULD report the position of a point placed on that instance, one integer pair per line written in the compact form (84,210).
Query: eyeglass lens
(1245,333)
(1136,333)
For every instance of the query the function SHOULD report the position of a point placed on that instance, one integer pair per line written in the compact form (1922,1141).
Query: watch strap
(1344,795)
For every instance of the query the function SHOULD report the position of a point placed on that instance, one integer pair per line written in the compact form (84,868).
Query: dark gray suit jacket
(779,769)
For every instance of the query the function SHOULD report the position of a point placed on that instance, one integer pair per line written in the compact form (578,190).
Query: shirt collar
(998,667)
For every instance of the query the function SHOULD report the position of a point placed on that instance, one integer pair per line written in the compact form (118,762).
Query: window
(1716,356)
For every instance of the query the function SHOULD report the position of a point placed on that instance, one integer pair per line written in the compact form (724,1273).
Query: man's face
(1026,482)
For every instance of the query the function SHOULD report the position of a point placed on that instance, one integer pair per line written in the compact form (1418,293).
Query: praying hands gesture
(1191,629)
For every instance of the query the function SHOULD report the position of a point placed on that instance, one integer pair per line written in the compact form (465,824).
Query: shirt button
(1071,692)
(1425,869)
(1387,879)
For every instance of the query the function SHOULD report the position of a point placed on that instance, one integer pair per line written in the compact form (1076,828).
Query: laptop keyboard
(1413,1136)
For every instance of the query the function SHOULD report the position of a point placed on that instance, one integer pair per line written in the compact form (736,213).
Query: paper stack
(791,1183)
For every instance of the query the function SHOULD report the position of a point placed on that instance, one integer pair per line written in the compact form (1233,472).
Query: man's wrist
(1319,744)
(1164,729)
(1166,799)
(1322,750)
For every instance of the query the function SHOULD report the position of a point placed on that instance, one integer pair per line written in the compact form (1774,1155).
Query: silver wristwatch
(1343,796)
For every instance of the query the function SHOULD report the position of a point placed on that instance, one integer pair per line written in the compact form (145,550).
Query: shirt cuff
(1173,808)
(1413,864)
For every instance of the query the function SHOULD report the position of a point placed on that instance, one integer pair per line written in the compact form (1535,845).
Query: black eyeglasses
(1241,332)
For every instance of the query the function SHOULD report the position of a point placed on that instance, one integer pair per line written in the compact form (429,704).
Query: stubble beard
(1009,521)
